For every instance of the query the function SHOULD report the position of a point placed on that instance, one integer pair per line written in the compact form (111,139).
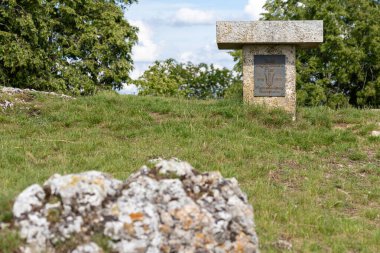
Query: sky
(184,30)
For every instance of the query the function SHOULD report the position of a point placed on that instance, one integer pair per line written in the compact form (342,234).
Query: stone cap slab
(236,34)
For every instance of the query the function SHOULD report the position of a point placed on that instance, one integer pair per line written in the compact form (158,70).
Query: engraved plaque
(269,75)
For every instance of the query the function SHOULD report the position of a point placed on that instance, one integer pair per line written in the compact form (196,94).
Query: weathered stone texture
(270,38)
(288,103)
(167,208)
(234,35)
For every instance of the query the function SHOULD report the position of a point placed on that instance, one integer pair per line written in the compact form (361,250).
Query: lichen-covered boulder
(167,208)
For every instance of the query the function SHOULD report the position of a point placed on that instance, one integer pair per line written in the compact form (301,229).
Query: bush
(170,78)
(336,101)
(235,91)
(311,95)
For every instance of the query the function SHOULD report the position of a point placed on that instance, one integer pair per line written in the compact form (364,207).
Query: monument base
(275,80)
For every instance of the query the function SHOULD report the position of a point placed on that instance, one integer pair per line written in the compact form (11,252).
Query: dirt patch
(282,177)
(34,111)
(159,117)
(372,155)
(290,164)
(343,126)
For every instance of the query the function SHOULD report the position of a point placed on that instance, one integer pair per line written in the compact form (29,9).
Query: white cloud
(129,89)
(209,54)
(188,56)
(139,68)
(218,66)
(254,8)
(146,50)
(188,16)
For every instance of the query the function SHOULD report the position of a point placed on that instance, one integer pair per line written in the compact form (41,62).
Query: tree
(348,62)
(346,67)
(161,79)
(74,46)
(170,78)
(237,55)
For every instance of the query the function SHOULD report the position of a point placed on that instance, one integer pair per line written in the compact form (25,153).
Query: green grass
(314,182)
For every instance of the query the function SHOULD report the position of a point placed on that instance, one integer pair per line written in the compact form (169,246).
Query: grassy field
(314,182)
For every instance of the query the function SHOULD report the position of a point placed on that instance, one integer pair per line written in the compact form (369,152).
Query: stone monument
(269,48)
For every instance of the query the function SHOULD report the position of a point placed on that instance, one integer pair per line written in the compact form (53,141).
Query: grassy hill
(314,182)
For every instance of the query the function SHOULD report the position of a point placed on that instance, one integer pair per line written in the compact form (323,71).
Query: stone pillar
(287,101)
(269,50)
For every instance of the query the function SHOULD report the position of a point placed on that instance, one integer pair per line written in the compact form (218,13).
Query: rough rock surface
(167,208)
(11,90)
(288,102)
(6,104)
(16,96)
(236,34)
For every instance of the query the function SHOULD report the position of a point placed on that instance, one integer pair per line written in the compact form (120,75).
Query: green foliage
(348,62)
(337,100)
(161,79)
(170,78)
(311,95)
(320,117)
(235,91)
(270,117)
(5,207)
(9,241)
(356,155)
(75,46)
(237,55)
(370,94)
(346,68)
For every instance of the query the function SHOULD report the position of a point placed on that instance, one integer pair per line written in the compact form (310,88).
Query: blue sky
(184,30)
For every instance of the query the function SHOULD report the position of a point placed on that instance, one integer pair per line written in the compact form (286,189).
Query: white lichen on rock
(6,104)
(32,197)
(168,208)
(12,90)
(88,248)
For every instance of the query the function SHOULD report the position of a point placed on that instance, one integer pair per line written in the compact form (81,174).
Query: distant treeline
(81,46)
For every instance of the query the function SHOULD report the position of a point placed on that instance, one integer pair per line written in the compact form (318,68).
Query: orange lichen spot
(115,210)
(222,247)
(99,181)
(165,229)
(241,243)
(146,227)
(239,247)
(129,228)
(165,249)
(187,223)
(202,239)
(137,216)
(199,235)
(75,180)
